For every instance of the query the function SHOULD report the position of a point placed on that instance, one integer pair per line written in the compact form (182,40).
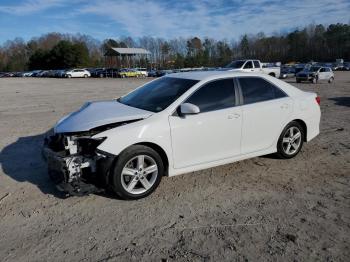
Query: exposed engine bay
(74,163)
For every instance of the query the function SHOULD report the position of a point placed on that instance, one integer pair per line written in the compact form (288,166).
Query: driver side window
(216,95)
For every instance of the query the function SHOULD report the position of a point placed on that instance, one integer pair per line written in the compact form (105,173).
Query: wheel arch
(161,153)
(303,124)
(272,74)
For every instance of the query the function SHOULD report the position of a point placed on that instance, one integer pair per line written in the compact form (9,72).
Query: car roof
(208,75)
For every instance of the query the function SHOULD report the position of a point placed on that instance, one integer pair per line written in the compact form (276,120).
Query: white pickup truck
(253,66)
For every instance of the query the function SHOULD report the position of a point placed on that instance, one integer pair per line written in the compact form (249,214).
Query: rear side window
(256,64)
(256,89)
(249,64)
(215,95)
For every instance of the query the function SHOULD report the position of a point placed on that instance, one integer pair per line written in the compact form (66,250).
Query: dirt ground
(262,209)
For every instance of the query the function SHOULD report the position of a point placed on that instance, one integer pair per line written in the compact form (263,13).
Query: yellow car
(129,73)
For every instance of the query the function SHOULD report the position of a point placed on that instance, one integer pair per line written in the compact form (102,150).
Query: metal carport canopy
(131,51)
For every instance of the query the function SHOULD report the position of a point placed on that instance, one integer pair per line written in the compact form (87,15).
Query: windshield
(314,69)
(235,64)
(158,94)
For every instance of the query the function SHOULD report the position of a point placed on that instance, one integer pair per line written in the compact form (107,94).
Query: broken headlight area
(74,164)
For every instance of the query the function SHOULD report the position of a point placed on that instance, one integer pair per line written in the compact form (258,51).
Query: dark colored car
(287,72)
(107,72)
(163,72)
(7,74)
(346,66)
(152,73)
(300,67)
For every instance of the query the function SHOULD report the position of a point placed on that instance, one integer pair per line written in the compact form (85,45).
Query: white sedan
(178,124)
(77,73)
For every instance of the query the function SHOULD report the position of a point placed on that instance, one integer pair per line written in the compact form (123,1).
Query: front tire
(291,140)
(137,173)
(330,80)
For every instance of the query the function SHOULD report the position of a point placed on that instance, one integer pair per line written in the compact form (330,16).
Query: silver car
(315,74)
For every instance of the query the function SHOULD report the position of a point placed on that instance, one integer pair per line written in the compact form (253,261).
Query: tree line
(60,51)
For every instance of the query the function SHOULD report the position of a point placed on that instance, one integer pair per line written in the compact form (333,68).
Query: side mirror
(189,109)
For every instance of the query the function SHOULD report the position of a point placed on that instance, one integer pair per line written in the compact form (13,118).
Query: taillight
(318,100)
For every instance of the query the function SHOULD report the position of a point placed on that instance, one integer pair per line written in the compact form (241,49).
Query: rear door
(257,66)
(265,110)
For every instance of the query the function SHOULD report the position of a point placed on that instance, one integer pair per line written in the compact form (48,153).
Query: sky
(219,19)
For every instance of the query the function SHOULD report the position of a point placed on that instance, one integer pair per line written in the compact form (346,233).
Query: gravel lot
(255,210)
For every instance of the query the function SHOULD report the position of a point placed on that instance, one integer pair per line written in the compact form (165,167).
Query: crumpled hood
(95,114)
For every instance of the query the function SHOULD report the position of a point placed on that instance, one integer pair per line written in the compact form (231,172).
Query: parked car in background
(315,74)
(123,73)
(287,72)
(60,73)
(106,72)
(152,73)
(346,66)
(161,73)
(330,65)
(94,70)
(7,74)
(36,73)
(142,71)
(178,124)
(337,67)
(18,74)
(42,73)
(252,66)
(27,74)
(77,73)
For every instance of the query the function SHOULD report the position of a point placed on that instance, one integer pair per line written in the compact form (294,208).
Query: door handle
(233,116)
(284,106)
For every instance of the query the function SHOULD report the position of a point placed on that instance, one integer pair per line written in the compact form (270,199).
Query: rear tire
(291,140)
(137,173)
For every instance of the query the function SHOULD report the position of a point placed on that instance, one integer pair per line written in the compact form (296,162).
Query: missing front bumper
(77,175)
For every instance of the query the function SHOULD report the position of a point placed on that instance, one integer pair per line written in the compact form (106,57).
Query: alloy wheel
(139,174)
(291,140)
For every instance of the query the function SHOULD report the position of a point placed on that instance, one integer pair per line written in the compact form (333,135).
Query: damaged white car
(178,124)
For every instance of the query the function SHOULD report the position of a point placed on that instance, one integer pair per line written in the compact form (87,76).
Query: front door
(214,133)
(322,74)
(248,67)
